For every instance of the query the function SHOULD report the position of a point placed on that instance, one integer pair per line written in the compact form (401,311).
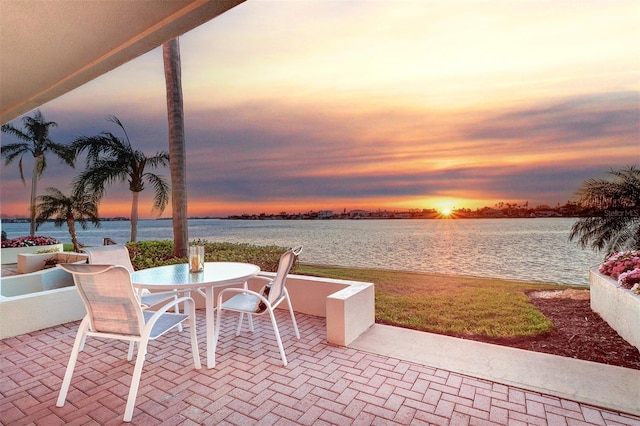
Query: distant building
(489,212)
(547,213)
(359,213)
(402,215)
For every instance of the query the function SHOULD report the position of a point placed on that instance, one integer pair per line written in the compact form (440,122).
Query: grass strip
(448,304)
(438,303)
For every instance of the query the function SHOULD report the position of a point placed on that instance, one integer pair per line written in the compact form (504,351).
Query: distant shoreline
(116,219)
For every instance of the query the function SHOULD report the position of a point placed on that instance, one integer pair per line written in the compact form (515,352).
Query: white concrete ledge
(35,311)
(37,300)
(348,306)
(602,385)
(10,254)
(29,302)
(619,307)
(32,262)
(35,282)
(350,312)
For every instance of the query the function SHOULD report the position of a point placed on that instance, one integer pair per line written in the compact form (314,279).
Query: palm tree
(80,207)
(615,222)
(111,159)
(34,140)
(175,112)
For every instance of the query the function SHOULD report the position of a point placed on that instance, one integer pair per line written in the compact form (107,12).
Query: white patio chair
(114,312)
(252,303)
(119,255)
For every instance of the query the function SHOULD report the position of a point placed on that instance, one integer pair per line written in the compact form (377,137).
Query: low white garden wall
(37,311)
(28,262)
(10,254)
(619,307)
(348,306)
(38,300)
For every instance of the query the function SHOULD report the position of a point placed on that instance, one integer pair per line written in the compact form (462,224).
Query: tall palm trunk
(32,203)
(134,216)
(177,156)
(71,225)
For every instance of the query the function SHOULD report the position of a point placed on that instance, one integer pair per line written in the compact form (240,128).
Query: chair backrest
(110,255)
(284,266)
(109,298)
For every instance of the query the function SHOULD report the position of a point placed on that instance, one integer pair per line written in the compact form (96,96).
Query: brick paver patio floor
(322,385)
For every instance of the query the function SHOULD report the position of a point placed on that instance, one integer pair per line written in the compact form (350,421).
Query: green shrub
(147,254)
(51,250)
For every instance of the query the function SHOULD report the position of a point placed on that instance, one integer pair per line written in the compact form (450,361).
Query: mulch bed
(578,332)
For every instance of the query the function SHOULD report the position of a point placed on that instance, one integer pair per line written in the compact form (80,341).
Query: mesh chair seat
(165,323)
(243,302)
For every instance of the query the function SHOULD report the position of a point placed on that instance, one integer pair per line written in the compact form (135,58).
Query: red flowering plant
(30,241)
(624,267)
(630,280)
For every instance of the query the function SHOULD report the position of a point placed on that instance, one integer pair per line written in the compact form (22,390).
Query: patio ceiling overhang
(50,48)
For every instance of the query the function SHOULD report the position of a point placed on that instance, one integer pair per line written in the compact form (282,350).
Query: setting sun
(446,211)
(445,207)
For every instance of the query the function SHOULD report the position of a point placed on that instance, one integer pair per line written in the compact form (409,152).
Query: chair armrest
(142,292)
(187,300)
(240,291)
(161,293)
(150,299)
(237,290)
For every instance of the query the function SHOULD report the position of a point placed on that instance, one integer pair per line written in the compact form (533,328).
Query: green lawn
(437,303)
(449,304)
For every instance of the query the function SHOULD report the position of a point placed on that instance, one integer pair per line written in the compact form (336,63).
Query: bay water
(531,249)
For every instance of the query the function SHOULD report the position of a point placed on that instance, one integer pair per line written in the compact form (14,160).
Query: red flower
(30,241)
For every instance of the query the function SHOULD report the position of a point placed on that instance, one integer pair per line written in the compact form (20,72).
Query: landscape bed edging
(10,254)
(619,307)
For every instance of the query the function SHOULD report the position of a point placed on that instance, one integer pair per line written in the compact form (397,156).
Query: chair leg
(132,346)
(194,336)
(71,365)
(250,320)
(278,339)
(135,380)
(293,317)
(216,335)
(177,309)
(239,323)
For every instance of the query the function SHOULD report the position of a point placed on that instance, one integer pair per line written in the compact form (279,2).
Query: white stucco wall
(619,307)
(10,255)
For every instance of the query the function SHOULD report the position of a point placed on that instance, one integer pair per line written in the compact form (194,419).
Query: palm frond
(63,152)
(161,191)
(13,131)
(79,207)
(13,150)
(159,159)
(21,170)
(117,121)
(111,159)
(616,222)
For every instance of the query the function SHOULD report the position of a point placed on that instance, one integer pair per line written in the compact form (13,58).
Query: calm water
(526,249)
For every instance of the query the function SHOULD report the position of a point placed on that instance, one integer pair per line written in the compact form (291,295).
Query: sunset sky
(305,105)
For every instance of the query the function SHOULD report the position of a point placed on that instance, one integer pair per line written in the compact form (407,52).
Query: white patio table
(178,277)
